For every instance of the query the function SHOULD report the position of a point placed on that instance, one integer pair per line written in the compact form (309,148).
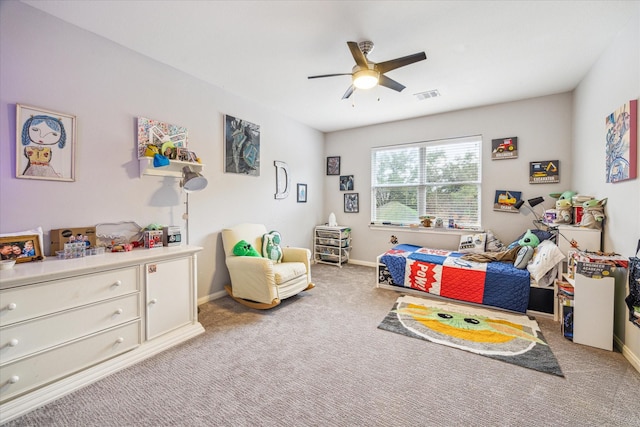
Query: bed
(446,274)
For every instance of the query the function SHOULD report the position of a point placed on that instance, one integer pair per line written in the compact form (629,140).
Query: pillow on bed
(493,243)
(546,256)
(472,243)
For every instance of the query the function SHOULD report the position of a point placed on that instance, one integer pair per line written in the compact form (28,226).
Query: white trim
(633,358)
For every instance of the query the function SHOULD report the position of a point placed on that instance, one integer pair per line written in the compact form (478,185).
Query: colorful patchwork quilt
(444,273)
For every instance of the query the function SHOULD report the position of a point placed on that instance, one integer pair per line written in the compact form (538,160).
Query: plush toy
(271,246)
(567,195)
(564,208)
(593,214)
(244,248)
(529,239)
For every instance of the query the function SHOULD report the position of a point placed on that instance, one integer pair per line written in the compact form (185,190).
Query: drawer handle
(13,342)
(117,283)
(12,306)
(154,301)
(14,379)
(120,340)
(119,311)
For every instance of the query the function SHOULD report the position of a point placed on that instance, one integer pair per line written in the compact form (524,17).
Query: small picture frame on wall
(346,182)
(45,144)
(351,203)
(302,193)
(333,165)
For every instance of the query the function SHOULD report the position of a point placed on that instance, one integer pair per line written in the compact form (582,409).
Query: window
(437,178)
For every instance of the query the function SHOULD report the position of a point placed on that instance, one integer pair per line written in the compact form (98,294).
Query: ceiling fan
(366,74)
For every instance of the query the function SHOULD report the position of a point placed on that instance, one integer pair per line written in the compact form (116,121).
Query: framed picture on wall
(302,193)
(351,203)
(45,144)
(346,182)
(621,132)
(333,165)
(544,172)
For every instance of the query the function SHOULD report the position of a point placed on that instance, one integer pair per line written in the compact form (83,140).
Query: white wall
(612,81)
(543,128)
(47,63)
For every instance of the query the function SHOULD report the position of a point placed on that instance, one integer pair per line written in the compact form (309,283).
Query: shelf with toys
(173,168)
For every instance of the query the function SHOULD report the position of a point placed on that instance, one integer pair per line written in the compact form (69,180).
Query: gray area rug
(510,337)
(319,359)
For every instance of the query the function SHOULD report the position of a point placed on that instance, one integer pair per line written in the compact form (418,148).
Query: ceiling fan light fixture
(365,79)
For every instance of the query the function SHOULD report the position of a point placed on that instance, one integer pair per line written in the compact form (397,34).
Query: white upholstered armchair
(259,282)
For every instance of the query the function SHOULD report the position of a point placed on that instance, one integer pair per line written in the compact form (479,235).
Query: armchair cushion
(271,246)
(285,271)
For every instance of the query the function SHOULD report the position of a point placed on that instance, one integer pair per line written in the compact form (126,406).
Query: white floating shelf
(174,168)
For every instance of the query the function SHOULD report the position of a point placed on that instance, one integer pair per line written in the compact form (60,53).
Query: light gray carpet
(319,359)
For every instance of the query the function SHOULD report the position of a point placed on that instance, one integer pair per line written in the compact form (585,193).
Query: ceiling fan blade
(329,75)
(357,54)
(390,83)
(385,66)
(349,92)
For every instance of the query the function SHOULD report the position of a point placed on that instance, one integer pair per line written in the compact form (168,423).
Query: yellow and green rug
(510,337)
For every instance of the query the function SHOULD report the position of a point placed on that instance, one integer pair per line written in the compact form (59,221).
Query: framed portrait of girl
(45,144)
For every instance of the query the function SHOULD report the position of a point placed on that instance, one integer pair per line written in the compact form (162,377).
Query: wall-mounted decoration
(544,172)
(21,248)
(346,182)
(333,165)
(241,146)
(351,203)
(302,193)
(155,136)
(283,180)
(504,148)
(622,143)
(505,200)
(45,144)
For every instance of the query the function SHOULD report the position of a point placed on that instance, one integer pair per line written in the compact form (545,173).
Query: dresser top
(54,268)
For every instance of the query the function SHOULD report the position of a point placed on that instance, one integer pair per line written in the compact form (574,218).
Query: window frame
(422,184)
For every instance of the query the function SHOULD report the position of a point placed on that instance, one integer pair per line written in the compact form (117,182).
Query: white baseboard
(365,263)
(205,299)
(633,358)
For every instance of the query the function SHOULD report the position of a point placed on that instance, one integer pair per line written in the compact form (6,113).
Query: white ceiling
(478,52)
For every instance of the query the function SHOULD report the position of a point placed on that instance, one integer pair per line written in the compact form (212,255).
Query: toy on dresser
(593,214)
(564,207)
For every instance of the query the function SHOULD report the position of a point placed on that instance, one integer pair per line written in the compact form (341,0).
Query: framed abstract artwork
(346,182)
(621,141)
(351,203)
(333,165)
(45,144)
(241,146)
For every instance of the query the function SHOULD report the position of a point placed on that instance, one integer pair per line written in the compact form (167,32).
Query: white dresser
(67,323)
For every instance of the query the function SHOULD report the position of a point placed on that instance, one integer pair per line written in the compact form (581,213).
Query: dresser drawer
(23,338)
(28,373)
(18,304)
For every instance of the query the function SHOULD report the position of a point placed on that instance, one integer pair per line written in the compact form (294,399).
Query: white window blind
(441,179)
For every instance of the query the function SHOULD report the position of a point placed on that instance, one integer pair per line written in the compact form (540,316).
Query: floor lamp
(191,182)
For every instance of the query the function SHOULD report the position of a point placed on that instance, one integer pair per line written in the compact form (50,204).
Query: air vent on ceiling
(427,94)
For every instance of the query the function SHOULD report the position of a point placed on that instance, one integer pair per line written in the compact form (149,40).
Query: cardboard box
(61,236)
